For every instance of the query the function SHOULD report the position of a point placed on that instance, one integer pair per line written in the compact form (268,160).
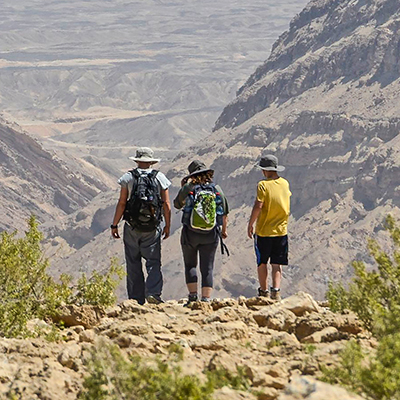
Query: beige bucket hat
(145,154)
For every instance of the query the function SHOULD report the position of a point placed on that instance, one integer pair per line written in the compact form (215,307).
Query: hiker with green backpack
(204,220)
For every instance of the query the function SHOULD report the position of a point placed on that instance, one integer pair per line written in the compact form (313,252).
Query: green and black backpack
(203,209)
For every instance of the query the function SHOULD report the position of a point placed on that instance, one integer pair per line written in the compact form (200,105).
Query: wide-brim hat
(197,167)
(270,163)
(145,154)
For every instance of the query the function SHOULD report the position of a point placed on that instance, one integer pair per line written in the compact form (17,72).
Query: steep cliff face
(330,44)
(33,181)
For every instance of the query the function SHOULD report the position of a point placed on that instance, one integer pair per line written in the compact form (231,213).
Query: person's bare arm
(253,217)
(167,212)
(119,211)
(224,232)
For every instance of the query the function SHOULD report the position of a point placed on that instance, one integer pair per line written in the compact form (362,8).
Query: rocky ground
(280,345)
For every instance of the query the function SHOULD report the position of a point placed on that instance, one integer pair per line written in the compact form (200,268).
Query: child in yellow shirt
(271,211)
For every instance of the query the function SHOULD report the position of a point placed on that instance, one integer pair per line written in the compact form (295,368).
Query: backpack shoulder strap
(196,188)
(135,173)
(212,186)
(153,174)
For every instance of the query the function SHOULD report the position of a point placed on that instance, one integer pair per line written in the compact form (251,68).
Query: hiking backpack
(203,210)
(144,208)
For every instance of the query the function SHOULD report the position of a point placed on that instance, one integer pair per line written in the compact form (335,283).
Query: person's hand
(224,234)
(166,232)
(115,234)
(250,231)
(184,181)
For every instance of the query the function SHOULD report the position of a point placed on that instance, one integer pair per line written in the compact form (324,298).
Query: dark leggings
(199,244)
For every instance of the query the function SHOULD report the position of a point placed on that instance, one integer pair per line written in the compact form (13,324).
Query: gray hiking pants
(203,246)
(145,245)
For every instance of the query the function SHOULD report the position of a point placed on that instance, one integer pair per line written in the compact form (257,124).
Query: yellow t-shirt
(275,196)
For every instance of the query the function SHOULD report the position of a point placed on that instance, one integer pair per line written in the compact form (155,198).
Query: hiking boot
(154,299)
(192,297)
(275,294)
(263,293)
(205,299)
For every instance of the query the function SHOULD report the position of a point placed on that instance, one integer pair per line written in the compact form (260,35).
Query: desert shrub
(27,291)
(99,289)
(111,376)
(175,349)
(375,297)
(348,373)
(375,375)
(219,378)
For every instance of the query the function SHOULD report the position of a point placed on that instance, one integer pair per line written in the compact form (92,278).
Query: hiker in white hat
(271,211)
(144,203)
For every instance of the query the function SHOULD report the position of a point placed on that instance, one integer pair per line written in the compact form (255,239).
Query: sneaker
(275,294)
(192,297)
(263,293)
(205,299)
(154,299)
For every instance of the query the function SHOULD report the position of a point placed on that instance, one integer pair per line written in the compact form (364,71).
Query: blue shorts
(274,249)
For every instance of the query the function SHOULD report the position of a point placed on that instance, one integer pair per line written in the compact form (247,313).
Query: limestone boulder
(314,322)
(69,356)
(235,330)
(7,370)
(307,388)
(132,327)
(277,318)
(113,311)
(222,315)
(283,338)
(260,376)
(88,336)
(226,393)
(72,315)
(216,304)
(300,304)
(132,307)
(256,302)
(329,334)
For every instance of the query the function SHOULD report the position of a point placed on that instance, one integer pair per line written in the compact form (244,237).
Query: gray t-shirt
(126,180)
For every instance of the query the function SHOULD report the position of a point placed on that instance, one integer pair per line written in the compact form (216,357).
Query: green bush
(375,297)
(219,378)
(27,291)
(112,376)
(375,375)
(99,289)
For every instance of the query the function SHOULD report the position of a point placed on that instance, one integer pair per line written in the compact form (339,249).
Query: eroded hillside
(35,181)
